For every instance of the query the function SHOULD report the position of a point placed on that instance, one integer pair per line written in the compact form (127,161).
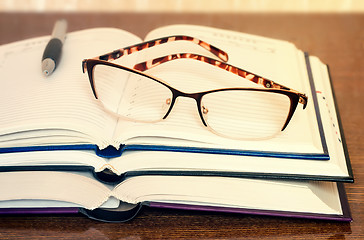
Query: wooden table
(337,40)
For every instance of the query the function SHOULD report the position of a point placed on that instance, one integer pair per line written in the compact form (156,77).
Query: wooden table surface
(337,40)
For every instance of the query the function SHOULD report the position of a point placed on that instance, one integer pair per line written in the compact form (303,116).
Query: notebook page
(62,103)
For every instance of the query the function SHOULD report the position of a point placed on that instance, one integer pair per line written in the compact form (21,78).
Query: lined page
(62,103)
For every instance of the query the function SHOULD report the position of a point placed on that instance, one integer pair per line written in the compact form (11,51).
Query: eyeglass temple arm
(143,66)
(144,45)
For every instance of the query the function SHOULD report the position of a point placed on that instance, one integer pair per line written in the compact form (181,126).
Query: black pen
(53,50)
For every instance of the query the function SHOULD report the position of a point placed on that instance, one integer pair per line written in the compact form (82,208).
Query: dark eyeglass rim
(89,64)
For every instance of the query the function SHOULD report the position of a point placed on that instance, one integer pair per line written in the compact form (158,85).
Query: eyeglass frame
(269,85)
(89,65)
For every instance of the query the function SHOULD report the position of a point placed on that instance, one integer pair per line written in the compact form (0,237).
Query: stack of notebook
(62,150)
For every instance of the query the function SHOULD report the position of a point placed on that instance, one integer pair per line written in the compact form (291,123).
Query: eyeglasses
(238,113)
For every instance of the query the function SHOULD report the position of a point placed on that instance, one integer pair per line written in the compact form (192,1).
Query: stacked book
(71,142)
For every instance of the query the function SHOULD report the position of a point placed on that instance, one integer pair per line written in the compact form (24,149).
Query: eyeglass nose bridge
(196,96)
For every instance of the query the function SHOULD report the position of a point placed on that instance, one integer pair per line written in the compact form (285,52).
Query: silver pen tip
(48,66)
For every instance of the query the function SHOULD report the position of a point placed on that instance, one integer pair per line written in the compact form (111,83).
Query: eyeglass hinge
(303,100)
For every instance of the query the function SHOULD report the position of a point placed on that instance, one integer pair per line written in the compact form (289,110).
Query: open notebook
(43,117)
(72,192)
